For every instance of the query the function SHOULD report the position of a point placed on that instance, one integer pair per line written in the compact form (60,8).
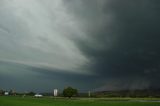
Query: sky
(86,44)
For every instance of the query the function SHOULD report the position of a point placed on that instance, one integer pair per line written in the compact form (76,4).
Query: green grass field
(46,101)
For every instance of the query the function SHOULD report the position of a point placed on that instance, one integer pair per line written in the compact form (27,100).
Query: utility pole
(89,93)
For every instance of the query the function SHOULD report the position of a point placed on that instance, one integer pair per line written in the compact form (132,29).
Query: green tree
(31,93)
(69,92)
(11,92)
(1,92)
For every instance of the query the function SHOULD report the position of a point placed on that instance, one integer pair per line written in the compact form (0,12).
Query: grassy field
(30,101)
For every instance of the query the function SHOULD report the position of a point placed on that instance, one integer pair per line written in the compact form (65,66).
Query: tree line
(72,92)
(67,92)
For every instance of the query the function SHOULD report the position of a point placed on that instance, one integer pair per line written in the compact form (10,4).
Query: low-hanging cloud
(117,42)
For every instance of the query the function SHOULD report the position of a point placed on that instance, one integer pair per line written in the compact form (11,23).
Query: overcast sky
(87,44)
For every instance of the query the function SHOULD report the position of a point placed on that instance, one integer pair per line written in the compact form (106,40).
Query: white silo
(55,92)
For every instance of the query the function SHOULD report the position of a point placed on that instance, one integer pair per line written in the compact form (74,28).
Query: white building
(6,93)
(38,95)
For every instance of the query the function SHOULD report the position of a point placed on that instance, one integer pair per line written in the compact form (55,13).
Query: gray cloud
(122,40)
(37,33)
(24,78)
(109,42)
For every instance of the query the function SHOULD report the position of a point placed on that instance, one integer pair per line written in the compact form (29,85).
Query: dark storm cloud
(123,40)
(82,43)
(21,77)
